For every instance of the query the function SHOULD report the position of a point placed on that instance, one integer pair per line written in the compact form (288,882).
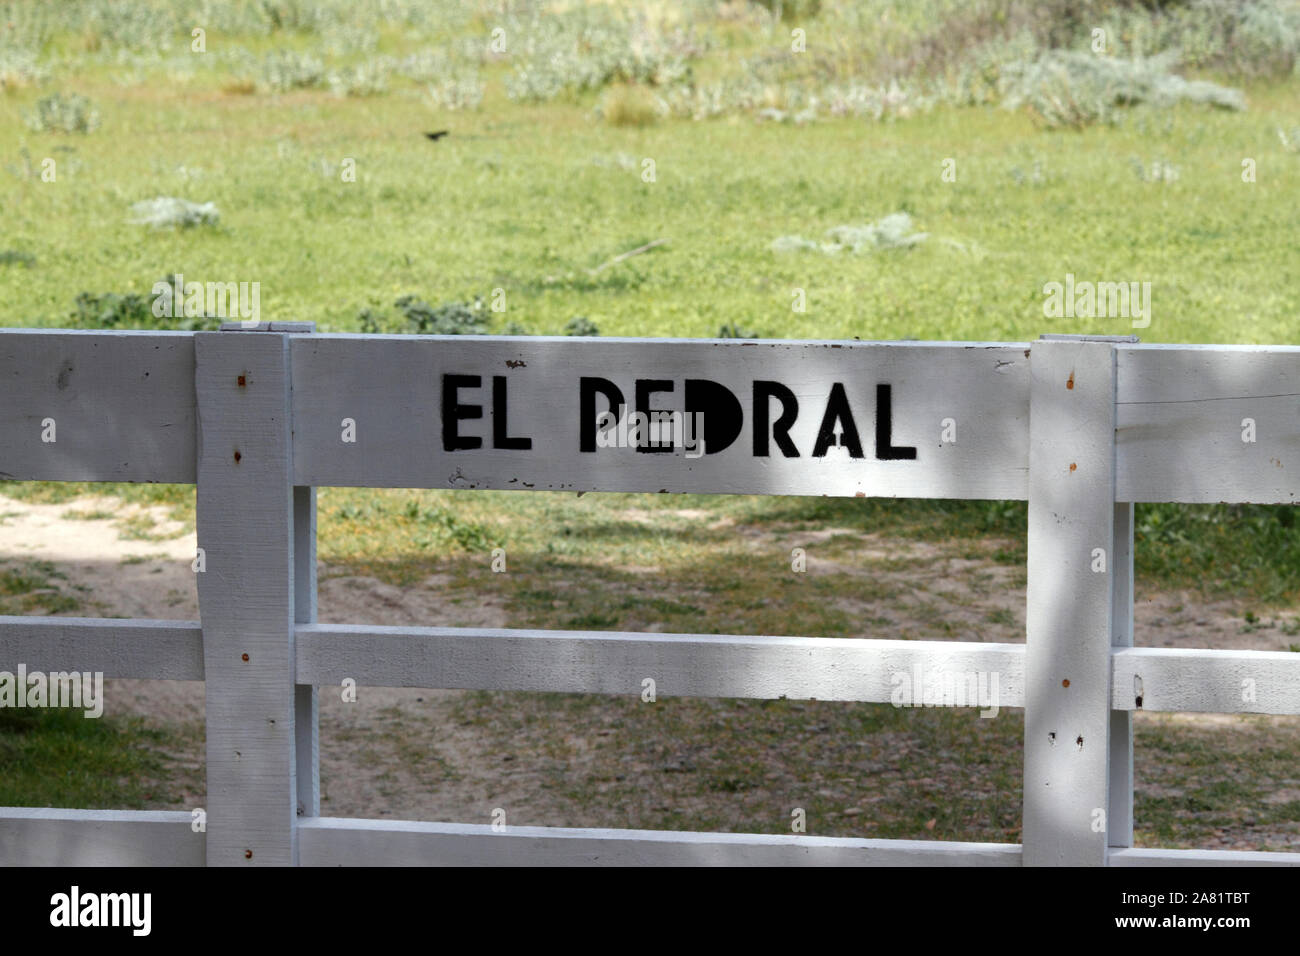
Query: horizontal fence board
(1193,680)
(124,410)
(681,665)
(332,841)
(393,388)
(122,404)
(57,837)
(131,647)
(1179,430)
(1162,857)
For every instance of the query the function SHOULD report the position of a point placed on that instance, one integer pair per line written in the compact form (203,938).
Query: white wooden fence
(1080,427)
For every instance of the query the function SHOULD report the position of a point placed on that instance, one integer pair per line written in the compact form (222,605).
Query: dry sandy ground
(403,752)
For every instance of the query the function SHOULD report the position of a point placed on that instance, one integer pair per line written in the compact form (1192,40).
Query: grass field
(525,200)
(528,199)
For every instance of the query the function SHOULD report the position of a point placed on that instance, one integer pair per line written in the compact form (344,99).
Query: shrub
(110,310)
(581,325)
(365,79)
(1074,89)
(452,318)
(286,70)
(457,93)
(19,69)
(628,105)
(588,48)
(892,232)
(133,310)
(370,321)
(166,211)
(788,10)
(70,113)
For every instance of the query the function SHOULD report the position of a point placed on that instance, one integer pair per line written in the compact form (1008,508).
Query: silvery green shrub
(457,93)
(364,79)
(1075,88)
(166,211)
(288,70)
(892,232)
(20,68)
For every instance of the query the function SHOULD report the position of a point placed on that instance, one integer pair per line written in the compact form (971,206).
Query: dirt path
(423,754)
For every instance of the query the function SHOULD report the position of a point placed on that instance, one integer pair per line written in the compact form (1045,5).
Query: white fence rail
(1079,427)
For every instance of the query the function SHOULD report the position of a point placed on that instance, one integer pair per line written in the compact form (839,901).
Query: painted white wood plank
(1180,414)
(121,404)
(681,665)
(761,667)
(1119,822)
(1162,857)
(331,841)
(246,596)
(131,647)
(58,837)
(393,389)
(1192,680)
(1068,621)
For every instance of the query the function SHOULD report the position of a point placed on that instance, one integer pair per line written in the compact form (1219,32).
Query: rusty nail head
(237,457)
(244,657)
(242,382)
(1066,682)
(248,854)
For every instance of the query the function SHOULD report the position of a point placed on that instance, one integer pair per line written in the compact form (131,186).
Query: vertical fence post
(1070,614)
(245,506)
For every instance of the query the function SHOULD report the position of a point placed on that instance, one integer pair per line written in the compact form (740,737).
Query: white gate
(1081,427)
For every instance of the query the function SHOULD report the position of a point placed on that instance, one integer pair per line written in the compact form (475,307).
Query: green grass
(527,199)
(36,587)
(60,758)
(1249,553)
